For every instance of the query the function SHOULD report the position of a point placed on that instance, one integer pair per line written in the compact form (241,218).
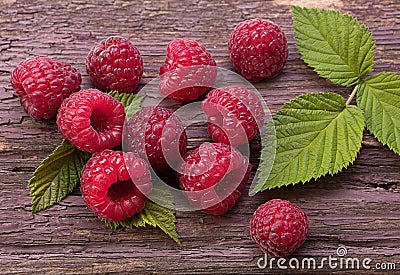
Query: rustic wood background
(358,208)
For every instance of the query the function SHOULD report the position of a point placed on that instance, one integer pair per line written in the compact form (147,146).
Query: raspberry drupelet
(213,177)
(115,64)
(279,227)
(114,184)
(258,49)
(42,83)
(91,120)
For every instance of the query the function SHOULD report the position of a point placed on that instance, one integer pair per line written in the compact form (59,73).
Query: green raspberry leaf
(131,102)
(154,215)
(56,176)
(379,97)
(316,134)
(335,45)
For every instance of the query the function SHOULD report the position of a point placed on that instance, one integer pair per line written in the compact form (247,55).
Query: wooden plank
(358,208)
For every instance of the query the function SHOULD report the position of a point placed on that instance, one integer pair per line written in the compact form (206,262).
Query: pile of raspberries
(114,184)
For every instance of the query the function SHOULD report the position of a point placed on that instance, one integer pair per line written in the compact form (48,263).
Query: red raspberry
(258,49)
(43,83)
(115,64)
(91,120)
(234,115)
(214,177)
(107,188)
(156,134)
(190,65)
(279,227)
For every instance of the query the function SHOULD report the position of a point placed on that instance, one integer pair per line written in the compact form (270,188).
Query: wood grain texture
(358,208)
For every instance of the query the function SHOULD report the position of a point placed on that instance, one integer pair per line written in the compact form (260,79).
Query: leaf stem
(353,93)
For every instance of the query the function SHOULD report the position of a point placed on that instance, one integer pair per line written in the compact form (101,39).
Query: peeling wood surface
(358,208)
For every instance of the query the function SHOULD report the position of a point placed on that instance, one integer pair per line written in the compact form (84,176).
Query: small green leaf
(316,134)
(379,97)
(125,98)
(132,102)
(154,215)
(56,176)
(335,45)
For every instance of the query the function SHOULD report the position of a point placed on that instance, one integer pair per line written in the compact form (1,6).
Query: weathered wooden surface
(358,208)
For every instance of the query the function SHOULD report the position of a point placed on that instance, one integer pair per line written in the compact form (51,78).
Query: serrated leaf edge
(37,206)
(397,151)
(263,187)
(364,72)
(143,219)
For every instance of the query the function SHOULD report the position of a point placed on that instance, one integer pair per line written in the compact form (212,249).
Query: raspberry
(43,83)
(156,134)
(107,188)
(115,64)
(258,49)
(214,177)
(279,227)
(234,115)
(91,120)
(190,65)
